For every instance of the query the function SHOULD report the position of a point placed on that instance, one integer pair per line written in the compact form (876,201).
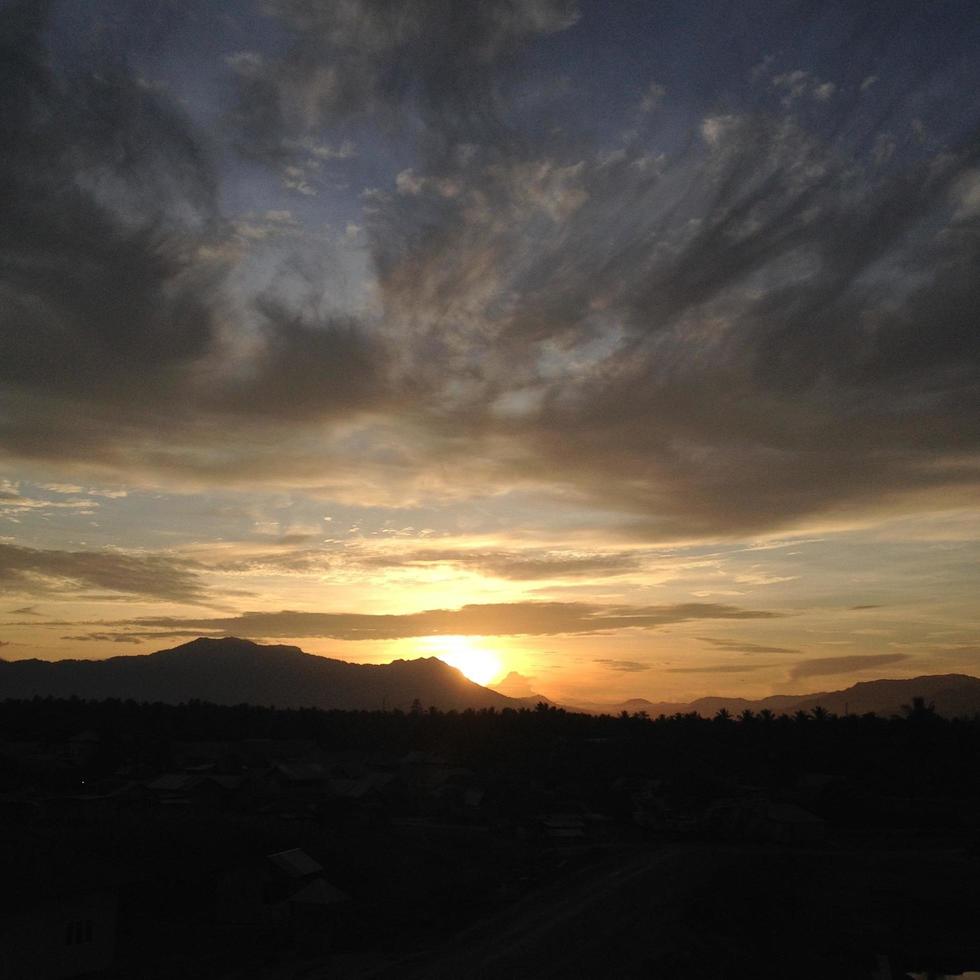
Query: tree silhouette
(918,710)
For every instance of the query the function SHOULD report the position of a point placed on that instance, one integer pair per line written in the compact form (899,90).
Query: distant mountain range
(953,695)
(234,671)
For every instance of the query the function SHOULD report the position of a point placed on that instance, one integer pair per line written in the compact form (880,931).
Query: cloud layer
(490,619)
(33,571)
(750,304)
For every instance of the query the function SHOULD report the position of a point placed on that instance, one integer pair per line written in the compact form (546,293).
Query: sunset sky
(633,347)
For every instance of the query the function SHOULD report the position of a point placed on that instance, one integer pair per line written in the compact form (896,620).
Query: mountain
(953,695)
(234,671)
(631,707)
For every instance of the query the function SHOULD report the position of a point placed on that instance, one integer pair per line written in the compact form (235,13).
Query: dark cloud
(124,636)
(114,263)
(720,669)
(740,646)
(768,318)
(858,608)
(495,619)
(623,666)
(431,60)
(757,370)
(765,324)
(33,571)
(843,665)
(102,292)
(25,611)
(105,638)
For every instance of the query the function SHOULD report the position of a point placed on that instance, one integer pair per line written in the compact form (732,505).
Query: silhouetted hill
(954,695)
(235,671)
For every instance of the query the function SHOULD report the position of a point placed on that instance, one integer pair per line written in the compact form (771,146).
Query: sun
(479,664)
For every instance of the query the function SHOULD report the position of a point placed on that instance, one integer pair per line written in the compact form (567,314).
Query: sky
(628,347)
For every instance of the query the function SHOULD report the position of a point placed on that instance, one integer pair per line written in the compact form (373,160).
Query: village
(142,856)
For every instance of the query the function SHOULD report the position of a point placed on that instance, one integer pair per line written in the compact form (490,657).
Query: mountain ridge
(230,670)
(952,694)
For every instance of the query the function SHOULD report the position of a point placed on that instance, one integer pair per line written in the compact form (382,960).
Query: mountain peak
(203,646)
(233,670)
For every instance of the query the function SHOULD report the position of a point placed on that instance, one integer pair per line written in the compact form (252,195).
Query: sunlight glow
(480,664)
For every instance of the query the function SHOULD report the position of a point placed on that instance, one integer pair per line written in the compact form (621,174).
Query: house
(56,938)
(181,788)
(306,780)
(279,891)
(368,788)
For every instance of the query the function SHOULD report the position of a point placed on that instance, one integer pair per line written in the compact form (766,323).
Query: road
(612,918)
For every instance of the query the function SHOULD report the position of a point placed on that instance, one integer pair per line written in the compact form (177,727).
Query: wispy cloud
(34,571)
(516,565)
(623,666)
(741,646)
(844,665)
(496,619)
(719,338)
(105,638)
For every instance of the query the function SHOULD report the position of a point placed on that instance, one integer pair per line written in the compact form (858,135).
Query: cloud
(33,571)
(738,365)
(719,669)
(653,97)
(435,60)
(105,638)
(516,685)
(623,666)
(123,636)
(492,619)
(843,665)
(761,324)
(25,611)
(740,646)
(515,565)
(13,503)
(115,344)
(99,289)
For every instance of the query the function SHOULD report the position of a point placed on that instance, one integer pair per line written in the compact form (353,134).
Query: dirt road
(609,919)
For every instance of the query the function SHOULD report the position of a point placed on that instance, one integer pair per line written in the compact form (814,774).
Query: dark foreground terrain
(150,840)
